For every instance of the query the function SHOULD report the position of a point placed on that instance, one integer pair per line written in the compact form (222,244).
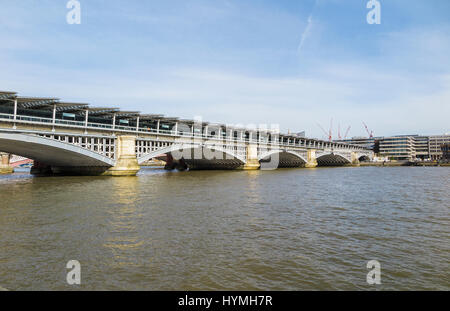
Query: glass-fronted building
(421,146)
(398,148)
(446,152)
(435,146)
(404,147)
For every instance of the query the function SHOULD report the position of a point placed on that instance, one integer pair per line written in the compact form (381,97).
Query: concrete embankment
(154,162)
(386,163)
(431,164)
(403,164)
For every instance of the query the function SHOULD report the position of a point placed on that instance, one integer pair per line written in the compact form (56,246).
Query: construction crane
(330,131)
(346,132)
(370,133)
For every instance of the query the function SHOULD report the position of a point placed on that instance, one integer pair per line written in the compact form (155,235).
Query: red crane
(330,131)
(346,132)
(370,133)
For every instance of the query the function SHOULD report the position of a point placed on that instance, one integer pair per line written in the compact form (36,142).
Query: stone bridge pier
(311,160)
(5,167)
(252,162)
(126,163)
(355,159)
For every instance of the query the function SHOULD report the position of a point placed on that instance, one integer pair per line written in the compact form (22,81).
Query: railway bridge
(76,138)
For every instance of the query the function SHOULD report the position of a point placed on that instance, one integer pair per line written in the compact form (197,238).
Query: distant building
(421,146)
(399,148)
(445,152)
(404,147)
(435,146)
(366,142)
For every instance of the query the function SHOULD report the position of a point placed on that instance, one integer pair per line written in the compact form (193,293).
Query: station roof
(36,102)
(156,117)
(191,122)
(73,107)
(127,114)
(47,103)
(151,117)
(215,125)
(187,121)
(169,119)
(101,111)
(7,95)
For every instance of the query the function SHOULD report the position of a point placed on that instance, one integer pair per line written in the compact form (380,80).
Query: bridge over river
(76,138)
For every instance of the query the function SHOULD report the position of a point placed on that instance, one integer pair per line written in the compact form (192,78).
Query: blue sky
(292,63)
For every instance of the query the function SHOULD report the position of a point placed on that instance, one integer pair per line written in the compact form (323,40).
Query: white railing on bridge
(299,142)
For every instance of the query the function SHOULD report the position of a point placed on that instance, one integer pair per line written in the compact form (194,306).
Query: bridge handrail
(152,130)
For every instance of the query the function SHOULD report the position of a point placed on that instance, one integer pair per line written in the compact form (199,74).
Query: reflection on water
(122,225)
(289,229)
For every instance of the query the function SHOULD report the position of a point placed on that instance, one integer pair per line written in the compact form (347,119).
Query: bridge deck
(45,125)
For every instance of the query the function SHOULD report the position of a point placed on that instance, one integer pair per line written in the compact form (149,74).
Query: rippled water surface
(289,229)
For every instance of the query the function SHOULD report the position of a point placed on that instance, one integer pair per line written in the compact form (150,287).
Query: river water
(289,229)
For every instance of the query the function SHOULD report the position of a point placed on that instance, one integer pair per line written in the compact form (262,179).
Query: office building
(398,148)
(435,146)
(421,146)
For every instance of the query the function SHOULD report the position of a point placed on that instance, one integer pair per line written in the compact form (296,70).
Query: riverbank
(404,163)
(385,164)
(154,163)
(430,164)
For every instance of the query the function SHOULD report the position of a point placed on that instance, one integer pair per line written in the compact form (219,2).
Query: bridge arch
(364,158)
(332,159)
(52,152)
(199,156)
(285,159)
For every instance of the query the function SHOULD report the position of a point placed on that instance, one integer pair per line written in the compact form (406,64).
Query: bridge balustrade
(102,145)
(281,141)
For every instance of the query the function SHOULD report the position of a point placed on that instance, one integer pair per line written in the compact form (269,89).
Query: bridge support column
(252,162)
(39,168)
(126,164)
(5,166)
(311,158)
(355,159)
(170,165)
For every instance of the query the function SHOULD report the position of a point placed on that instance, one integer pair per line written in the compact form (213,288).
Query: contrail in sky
(307,30)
